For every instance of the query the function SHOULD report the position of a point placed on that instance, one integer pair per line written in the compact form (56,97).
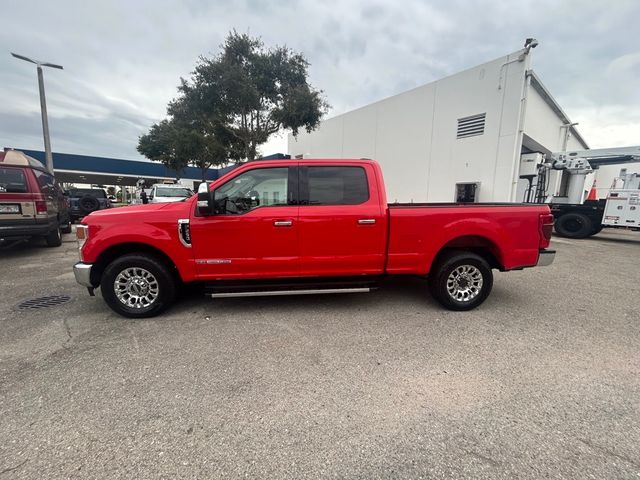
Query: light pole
(43,107)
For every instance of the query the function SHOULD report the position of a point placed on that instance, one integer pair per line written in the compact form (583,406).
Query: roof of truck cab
(295,161)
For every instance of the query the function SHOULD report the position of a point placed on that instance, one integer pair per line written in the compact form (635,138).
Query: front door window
(260,187)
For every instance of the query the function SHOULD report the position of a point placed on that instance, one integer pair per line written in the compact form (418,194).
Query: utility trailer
(574,216)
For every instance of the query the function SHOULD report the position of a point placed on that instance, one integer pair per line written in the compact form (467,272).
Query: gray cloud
(123,59)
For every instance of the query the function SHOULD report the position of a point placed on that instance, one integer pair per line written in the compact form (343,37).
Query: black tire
(88,204)
(164,280)
(66,227)
(574,225)
(451,295)
(597,229)
(54,238)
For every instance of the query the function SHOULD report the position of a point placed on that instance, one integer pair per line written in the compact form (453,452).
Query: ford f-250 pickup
(303,226)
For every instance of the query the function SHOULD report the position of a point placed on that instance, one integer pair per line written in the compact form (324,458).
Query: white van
(161,193)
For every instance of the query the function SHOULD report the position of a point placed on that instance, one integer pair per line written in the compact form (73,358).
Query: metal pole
(45,123)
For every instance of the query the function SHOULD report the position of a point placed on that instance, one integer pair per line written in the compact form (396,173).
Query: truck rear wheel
(138,286)
(461,280)
(66,226)
(54,238)
(574,225)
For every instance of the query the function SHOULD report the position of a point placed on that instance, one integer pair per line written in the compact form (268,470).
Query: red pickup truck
(303,226)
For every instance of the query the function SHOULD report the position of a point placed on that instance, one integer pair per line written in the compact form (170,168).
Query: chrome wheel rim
(464,283)
(136,287)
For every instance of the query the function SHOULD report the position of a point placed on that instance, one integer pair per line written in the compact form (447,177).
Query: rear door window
(337,185)
(12,180)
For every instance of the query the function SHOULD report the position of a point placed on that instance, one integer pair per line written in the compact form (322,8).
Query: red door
(256,233)
(342,223)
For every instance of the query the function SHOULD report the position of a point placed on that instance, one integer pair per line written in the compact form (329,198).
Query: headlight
(82,234)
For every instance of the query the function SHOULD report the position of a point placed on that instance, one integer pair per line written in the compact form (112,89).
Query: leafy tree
(199,139)
(163,144)
(232,104)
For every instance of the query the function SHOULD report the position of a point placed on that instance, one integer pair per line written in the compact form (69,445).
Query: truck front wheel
(461,280)
(138,286)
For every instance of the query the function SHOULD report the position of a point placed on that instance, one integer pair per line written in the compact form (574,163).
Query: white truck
(623,204)
(574,216)
(165,193)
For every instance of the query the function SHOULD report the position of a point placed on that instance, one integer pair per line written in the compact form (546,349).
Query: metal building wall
(413,134)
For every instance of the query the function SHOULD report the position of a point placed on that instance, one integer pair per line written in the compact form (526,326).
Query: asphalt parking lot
(541,381)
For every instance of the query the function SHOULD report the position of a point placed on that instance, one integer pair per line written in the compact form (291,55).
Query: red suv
(31,202)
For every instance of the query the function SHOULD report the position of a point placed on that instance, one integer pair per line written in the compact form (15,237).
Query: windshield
(173,192)
(92,192)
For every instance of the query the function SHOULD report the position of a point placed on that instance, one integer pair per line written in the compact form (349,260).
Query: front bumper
(546,258)
(82,272)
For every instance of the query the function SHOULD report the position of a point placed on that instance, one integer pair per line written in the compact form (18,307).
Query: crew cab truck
(303,226)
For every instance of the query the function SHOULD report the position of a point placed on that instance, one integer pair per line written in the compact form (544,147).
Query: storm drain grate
(44,302)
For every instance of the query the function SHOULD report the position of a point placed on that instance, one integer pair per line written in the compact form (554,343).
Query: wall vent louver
(471,126)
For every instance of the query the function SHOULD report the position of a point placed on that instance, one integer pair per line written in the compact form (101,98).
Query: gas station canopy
(71,168)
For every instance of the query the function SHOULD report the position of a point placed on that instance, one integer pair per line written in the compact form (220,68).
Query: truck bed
(418,231)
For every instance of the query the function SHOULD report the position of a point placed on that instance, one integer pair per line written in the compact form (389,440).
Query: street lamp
(43,107)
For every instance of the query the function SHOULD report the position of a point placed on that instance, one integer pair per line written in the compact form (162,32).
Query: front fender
(162,238)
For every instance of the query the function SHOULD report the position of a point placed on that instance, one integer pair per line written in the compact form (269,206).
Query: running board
(271,293)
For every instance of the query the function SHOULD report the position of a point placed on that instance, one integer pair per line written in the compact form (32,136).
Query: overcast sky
(123,59)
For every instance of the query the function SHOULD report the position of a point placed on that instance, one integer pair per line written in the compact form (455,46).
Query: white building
(460,137)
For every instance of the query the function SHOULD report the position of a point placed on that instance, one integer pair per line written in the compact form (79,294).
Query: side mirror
(205,200)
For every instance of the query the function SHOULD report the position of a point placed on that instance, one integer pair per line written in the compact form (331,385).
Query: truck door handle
(367,221)
(282,223)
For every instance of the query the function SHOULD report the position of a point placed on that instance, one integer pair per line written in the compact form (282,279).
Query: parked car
(32,204)
(162,193)
(303,226)
(83,201)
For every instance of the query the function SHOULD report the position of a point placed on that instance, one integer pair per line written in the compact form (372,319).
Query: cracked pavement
(541,381)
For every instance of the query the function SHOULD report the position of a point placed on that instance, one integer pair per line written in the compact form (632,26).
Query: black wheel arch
(481,246)
(115,251)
